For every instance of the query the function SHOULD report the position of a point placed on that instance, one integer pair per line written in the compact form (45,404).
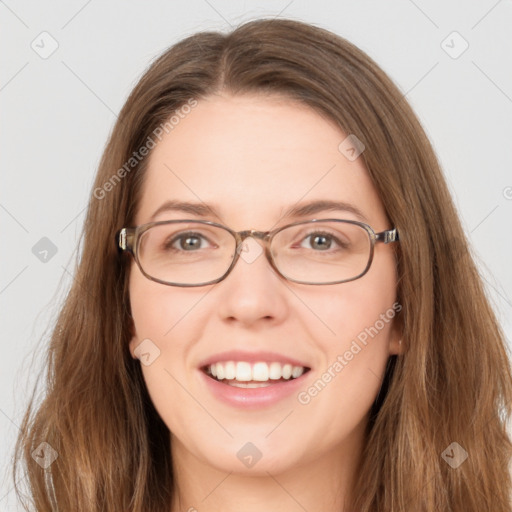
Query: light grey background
(58,111)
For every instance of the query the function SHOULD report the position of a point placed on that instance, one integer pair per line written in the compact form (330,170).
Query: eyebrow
(204,210)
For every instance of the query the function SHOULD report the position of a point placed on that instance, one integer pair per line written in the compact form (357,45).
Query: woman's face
(252,158)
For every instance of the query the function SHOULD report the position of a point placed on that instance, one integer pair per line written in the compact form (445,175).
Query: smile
(253,375)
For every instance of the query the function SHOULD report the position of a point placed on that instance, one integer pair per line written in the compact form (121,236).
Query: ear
(396,346)
(134,341)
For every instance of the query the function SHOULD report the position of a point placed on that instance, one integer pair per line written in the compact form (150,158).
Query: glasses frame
(127,240)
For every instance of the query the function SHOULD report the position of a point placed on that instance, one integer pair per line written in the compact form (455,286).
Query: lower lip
(253,397)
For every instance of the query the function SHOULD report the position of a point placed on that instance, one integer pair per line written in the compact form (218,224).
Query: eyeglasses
(197,253)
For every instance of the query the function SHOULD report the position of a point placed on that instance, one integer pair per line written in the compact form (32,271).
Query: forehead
(251,158)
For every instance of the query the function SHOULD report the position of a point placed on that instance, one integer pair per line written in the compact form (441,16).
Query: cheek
(157,309)
(350,375)
(350,311)
(162,328)
(361,330)
(163,316)
(173,319)
(358,322)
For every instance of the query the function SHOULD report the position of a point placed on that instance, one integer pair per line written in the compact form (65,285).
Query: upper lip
(251,357)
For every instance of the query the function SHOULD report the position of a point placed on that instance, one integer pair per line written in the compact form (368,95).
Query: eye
(187,241)
(323,240)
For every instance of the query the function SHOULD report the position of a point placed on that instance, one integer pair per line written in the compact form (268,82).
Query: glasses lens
(322,252)
(186,252)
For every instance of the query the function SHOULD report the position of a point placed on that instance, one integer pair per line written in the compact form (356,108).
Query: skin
(251,157)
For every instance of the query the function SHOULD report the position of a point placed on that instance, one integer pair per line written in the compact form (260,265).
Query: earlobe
(132,345)
(396,343)
(396,347)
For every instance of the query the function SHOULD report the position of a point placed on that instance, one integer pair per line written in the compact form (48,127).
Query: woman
(340,356)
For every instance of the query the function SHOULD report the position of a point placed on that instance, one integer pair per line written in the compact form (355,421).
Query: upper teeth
(246,372)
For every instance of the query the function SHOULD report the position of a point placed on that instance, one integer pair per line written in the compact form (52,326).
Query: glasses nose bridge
(261,235)
(264,236)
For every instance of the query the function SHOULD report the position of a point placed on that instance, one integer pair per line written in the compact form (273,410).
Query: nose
(252,290)
(250,249)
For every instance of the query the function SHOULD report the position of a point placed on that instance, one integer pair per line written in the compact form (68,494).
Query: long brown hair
(452,384)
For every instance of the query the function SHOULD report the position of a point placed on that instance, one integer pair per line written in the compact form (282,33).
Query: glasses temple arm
(391,235)
(124,239)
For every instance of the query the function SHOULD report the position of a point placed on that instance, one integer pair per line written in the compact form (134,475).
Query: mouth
(243,374)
